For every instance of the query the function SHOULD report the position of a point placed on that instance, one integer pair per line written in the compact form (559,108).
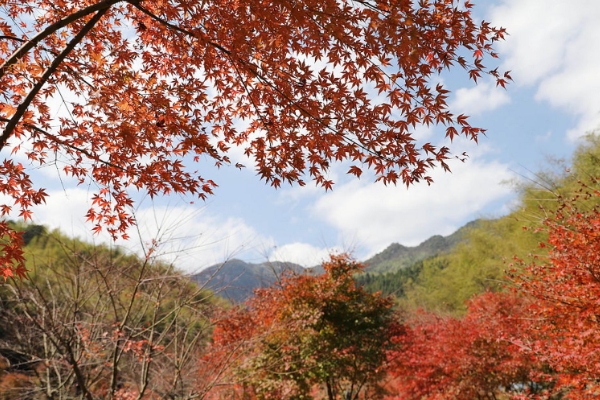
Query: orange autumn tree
(565,284)
(310,337)
(147,88)
(479,356)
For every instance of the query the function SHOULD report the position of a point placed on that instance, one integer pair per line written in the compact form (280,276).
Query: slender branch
(69,145)
(179,29)
(55,337)
(31,43)
(13,38)
(254,71)
(10,126)
(118,349)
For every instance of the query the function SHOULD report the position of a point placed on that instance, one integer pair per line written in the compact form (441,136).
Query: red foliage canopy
(542,344)
(476,357)
(155,85)
(566,286)
(312,333)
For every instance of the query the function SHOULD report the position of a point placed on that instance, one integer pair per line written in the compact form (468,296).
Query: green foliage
(391,283)
(480,262)
(478,265)
(397,257)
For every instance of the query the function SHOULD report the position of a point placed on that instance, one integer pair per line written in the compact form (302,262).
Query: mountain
(236,279)
(397,256)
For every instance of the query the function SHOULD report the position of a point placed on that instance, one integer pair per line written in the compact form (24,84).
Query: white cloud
(193,239)
(65,209)
(377,215)
(544,138)
(552,46)
(302,253)
(486,96)
(540,33)
(188,236)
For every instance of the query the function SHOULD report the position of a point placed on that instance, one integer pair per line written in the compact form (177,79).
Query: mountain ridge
(397,256)
(236,279)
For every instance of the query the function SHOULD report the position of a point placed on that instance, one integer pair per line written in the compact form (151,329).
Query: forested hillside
(486,251)
(396,256)
(477,264)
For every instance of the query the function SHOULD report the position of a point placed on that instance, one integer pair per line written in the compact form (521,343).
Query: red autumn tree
(314,334)
(480,356)
(150,87)
(566,287)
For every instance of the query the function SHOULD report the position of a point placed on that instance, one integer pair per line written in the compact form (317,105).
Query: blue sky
(552,51)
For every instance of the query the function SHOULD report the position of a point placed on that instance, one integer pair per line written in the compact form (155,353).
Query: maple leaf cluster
(566,286)
(478,356)
(149,87)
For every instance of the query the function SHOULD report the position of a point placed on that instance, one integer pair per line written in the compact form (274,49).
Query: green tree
(480,262)
(477,265)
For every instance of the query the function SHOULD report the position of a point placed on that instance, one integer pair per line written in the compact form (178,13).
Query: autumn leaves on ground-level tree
(536,340)
(147,88)
(478,356)
(566,286)
(312,335)
(539,340)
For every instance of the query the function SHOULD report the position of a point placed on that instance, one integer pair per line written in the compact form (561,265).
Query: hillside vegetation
(484,251)
(507,306)
(92,322)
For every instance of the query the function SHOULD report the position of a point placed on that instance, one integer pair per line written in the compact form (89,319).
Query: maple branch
(10,126)
(70,69)
(294,103)
(54,53)
(259,76)
(195,36)
(31,43)
(371,6)
(178,28)
(69,145)
(256,108)
(12,38)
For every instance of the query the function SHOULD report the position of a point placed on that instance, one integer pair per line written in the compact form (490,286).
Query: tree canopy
(313,333)
(148,88)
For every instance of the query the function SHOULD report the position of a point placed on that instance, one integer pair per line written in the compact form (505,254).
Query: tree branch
(10,126)
(69,145)
(31,43)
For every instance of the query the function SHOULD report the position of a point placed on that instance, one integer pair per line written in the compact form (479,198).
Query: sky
(552,52)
